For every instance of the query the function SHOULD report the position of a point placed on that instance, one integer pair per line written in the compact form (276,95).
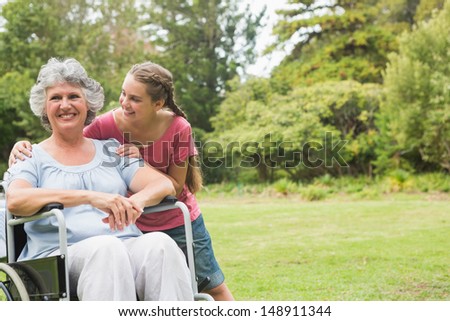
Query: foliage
(233,110)
(93,32)
(415,116)
(397,183)
(336,40)
(310,131)
(427,8)
(14,112)
(102,35)
(342,39)
(285,186)
(203,43)
(319,105)
(313,193)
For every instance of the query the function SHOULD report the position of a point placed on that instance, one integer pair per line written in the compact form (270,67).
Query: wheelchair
(47,279)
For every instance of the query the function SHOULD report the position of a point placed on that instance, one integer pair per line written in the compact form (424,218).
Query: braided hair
(159,84)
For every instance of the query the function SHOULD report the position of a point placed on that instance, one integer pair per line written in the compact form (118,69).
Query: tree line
(364,91)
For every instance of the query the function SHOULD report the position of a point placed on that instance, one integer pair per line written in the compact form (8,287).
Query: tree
(14,88)
(341,39)
(416,113)
(310,131)
(203,43)
(427,8)
(102,35)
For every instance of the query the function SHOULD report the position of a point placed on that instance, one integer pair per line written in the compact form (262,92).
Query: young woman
(150,120)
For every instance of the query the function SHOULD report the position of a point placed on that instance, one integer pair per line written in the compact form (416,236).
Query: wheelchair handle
(167,203)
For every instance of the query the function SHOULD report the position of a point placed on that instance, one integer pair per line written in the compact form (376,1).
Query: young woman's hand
(128,150)
(20,150)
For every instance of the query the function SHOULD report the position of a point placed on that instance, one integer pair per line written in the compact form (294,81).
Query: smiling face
(135,100)
(66,107)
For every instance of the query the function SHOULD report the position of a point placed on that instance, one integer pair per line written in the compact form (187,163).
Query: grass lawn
(394,248)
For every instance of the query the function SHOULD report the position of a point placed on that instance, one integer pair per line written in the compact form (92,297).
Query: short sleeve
(93,130)
(26,170)
(126,166)
(103,127)
(129,167)
(96,129)
(184,146)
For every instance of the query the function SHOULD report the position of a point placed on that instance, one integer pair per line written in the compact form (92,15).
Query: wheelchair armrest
(166,204)
(44,212)
(50,206)
(51,209)
(46,208)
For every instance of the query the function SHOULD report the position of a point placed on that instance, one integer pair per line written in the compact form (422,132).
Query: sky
(265,64)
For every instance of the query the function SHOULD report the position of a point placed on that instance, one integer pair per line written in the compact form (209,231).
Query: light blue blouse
(107,172)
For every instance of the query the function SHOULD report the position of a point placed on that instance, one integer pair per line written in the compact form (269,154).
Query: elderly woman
(109,258)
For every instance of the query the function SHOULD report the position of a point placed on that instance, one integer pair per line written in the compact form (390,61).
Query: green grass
(2,295)
(395,248)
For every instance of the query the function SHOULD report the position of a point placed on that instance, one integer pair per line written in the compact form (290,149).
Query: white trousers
(150,266)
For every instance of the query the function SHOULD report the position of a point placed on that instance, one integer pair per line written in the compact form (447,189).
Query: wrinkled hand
(128,150)
(121,211)
(20,150)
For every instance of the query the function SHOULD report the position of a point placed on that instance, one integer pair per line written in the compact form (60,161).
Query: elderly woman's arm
(148,185)
(25,200)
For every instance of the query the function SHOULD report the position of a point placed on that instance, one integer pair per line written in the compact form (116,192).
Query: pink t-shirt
(174,147)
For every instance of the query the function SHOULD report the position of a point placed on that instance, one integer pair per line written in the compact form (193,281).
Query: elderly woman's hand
(20,149)
(121,211)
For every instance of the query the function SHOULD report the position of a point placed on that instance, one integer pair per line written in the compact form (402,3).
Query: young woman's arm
(177,173)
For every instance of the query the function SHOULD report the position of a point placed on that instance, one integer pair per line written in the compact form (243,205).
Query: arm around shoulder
(20,150)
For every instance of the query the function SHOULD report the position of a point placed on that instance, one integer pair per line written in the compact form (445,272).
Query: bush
(361,187)
(399,180)
(313,193)
(285,186)
(432,182)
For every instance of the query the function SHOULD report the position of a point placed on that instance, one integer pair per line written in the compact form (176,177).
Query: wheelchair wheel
(13,286)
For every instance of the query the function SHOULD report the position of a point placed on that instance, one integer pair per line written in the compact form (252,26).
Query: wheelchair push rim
(13,281)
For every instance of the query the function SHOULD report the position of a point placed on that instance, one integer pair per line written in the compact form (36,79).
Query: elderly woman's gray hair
(65,71)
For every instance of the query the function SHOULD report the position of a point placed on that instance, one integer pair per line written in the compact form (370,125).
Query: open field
(395,248)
